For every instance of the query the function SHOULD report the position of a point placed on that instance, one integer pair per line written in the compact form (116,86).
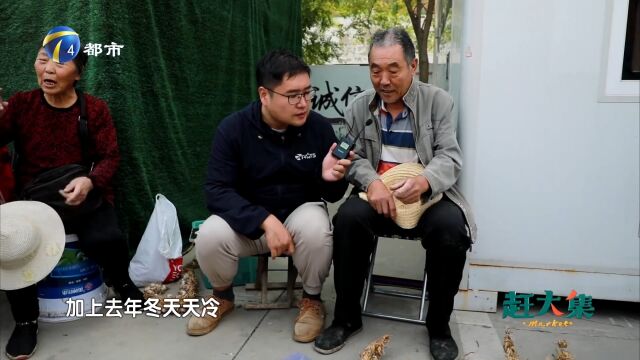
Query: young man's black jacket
(254,171)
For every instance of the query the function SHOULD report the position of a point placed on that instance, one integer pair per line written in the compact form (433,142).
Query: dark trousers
(443,234)
(101,240)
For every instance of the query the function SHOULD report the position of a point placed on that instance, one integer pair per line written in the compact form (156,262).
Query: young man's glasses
(296,98)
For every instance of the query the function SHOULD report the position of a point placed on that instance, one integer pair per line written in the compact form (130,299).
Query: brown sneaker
(310,322)
(203,325)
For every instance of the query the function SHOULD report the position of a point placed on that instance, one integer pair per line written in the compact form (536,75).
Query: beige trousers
(218,247)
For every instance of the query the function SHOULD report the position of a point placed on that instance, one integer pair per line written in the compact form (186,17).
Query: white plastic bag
(159,254)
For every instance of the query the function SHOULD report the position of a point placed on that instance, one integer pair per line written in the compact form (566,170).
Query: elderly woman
(43,123)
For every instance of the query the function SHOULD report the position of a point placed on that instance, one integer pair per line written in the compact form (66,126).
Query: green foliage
(317,20)
(324,22)
(362,18)
(367,16)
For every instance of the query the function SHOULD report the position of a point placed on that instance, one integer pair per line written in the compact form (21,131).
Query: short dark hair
(274,65)
(81,60)
(394,36)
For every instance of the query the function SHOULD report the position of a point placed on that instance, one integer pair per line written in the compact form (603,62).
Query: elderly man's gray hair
(394,36)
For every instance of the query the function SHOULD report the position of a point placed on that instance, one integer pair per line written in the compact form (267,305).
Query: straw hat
(407,215)
(32,240)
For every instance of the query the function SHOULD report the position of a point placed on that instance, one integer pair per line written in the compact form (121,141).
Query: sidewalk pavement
(613,333)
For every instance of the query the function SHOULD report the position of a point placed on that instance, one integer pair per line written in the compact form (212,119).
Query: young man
(412,123)
(269,173)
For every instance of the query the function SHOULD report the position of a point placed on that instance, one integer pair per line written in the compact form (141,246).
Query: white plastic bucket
(75,277)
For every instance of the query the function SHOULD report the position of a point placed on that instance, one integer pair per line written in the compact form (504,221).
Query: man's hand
(410,190)
(278,237)
(334,169)
(381,199)
(3,104)
(76,191)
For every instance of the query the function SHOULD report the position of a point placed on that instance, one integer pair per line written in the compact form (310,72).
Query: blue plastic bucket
(75,277)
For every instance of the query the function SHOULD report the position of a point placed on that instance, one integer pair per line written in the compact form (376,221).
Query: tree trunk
(421,29)
(423,62)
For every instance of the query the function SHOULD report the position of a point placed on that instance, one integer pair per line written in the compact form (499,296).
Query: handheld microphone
(347,143)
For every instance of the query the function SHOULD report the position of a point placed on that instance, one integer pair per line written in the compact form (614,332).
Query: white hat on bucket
(32,240)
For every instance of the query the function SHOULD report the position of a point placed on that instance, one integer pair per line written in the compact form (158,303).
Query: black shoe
(23,341)
(334,337)
(442,346)
(128,291)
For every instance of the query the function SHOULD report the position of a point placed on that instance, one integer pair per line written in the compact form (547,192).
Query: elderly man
(412,123)
(269,172)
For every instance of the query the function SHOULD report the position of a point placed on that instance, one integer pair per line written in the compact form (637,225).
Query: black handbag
(46,186)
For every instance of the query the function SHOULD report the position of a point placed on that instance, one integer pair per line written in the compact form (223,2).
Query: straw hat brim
(407,215)
(48,226)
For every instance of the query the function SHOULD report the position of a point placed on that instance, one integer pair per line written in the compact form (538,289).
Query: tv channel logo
(62,44)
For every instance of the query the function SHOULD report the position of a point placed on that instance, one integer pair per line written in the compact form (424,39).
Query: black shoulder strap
(83,127)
